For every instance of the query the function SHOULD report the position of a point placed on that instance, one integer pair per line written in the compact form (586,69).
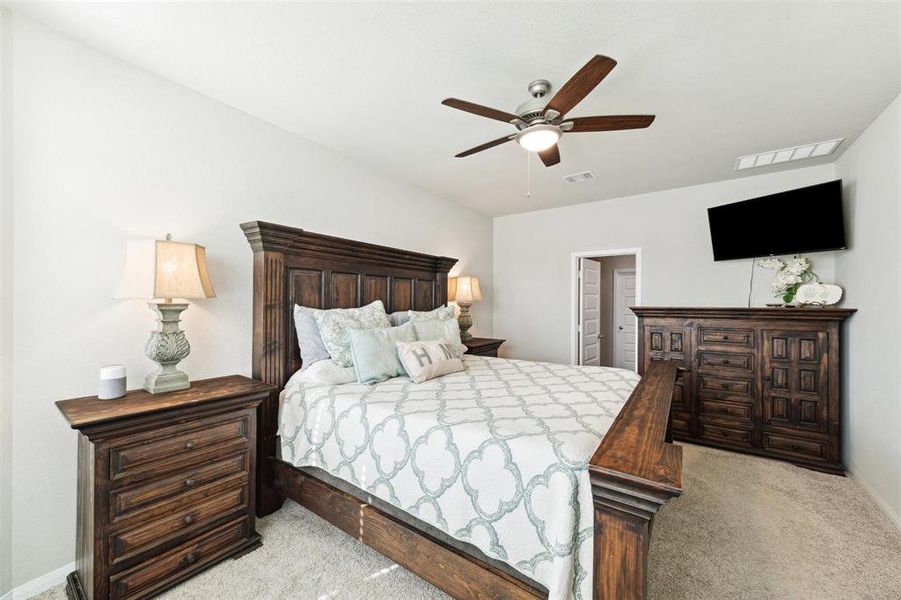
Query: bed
(417,518)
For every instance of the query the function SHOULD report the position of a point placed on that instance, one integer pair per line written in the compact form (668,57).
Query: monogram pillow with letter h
(426,360)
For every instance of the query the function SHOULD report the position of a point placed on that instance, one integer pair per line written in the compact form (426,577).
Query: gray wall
(871,273)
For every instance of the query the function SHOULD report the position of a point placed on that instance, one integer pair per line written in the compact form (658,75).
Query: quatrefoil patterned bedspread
(495,455)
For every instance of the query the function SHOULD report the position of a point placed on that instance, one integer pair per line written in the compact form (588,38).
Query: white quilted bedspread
(495,455)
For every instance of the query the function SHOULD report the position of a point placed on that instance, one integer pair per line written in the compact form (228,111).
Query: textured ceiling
(366,80)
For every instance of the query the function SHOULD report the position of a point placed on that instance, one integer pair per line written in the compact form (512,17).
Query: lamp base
(465,321)
(167,347)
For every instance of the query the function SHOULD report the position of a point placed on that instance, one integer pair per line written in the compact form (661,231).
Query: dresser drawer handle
(189,482)
(725,338)
(189,445)
(189,558)
(726,362)
(188,519)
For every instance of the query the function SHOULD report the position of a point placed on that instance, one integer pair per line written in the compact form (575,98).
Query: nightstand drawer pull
(189,558)
(188,519)
(189,482)
(189,445)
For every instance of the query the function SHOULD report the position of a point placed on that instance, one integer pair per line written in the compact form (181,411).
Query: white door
(624,320)
(589,312)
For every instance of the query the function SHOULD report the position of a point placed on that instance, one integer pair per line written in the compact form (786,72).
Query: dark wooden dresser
(482,346)
(165,485)
(758,380)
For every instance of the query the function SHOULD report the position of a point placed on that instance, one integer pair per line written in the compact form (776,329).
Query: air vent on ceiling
(774,157)
(580,177)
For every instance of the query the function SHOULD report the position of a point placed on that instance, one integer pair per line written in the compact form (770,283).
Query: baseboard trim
(40,584)
(889,512)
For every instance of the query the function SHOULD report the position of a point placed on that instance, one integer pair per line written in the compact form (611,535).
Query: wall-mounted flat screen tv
(808,219)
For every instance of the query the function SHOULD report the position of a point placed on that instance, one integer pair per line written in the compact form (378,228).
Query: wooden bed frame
(633,473)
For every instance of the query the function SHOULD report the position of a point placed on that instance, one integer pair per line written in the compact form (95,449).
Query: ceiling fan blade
(478,109)
(551,156)
(484,146)
(609,123)
(580,84)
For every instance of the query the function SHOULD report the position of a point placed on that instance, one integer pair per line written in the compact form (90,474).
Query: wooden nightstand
(483,346)
(165,485)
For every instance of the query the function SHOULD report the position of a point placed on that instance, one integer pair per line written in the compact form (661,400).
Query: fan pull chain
(528,174)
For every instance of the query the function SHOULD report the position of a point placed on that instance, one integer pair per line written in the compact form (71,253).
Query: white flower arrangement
(789,275)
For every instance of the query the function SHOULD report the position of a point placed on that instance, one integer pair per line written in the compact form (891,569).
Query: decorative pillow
(333,325)
(324,372)
(439,314)
(375,354)
(312,349)
(426,360)
(446,330)
(399,317)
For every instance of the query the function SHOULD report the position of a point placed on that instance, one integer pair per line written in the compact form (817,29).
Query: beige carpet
(746,528)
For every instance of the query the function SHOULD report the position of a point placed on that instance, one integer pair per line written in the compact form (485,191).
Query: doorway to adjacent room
(606,284)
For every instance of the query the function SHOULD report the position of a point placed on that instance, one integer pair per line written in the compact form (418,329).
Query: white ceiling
(366,80)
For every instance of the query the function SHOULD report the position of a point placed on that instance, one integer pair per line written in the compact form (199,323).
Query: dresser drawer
(726,361)
(741,389)
(800,447)
(145,579)
(681,422)
(125,500)
(722,336)
(176,447)
(127,543)
(728,410)
(732,436)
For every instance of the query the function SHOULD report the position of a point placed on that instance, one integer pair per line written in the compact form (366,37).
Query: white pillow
(443,330)
(324,372)
(334,323)
(426,360)
(439,314)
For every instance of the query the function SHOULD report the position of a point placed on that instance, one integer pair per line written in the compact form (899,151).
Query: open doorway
(606,284)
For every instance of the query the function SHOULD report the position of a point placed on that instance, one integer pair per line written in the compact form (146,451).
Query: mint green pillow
(445,330)
(375,352)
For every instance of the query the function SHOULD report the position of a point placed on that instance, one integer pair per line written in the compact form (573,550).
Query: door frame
(617,285)
(574,292)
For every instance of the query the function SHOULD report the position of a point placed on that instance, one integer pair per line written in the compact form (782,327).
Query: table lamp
(161,270)
(464,291)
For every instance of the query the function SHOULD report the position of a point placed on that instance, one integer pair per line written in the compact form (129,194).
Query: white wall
(5,309)
(871,274)
(106,152)
(532,257)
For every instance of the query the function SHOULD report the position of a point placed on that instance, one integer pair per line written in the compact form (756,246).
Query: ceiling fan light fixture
(538,138)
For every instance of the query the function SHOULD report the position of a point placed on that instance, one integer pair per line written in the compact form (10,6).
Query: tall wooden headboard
(292,266)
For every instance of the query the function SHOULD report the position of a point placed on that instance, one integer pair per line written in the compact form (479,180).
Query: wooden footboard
(634,472)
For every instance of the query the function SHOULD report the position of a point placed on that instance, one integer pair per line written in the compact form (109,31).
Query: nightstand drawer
(192,496)
(176,447)
(127,543)
(125,500)
(158,572)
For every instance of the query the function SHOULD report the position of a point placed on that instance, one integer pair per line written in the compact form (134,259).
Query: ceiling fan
(541,123)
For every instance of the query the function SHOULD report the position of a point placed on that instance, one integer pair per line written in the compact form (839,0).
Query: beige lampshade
(466,290)
(164,269)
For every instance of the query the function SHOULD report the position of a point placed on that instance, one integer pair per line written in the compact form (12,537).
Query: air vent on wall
(774,157)
(580,177)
